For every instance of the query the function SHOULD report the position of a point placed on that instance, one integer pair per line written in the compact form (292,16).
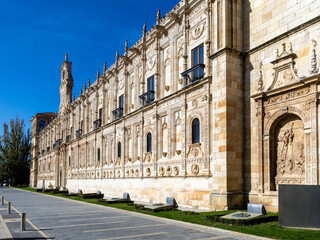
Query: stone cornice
(224,51)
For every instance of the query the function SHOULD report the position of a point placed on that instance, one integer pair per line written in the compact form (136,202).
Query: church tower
(66,84)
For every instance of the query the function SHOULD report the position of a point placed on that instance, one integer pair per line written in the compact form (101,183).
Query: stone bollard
(23,222)
(2,201)
(9,207)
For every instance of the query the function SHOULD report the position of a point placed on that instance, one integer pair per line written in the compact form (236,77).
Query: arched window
(149,142)
(119,150)
(42,125)
(99,154)
(69,161)
(195,131)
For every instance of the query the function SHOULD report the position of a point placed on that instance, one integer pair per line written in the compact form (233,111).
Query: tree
(15,152)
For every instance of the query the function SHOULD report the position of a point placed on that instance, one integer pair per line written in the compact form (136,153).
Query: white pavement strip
(135,236)
(87,224)
(89,219)
(73,215)
(123,228)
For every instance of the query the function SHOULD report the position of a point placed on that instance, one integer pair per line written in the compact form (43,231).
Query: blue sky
(35,35)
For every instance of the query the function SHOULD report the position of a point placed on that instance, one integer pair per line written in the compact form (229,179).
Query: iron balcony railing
(68,138)
(147,98)
(117,113)
(78,133)
(193,74)
(96,124)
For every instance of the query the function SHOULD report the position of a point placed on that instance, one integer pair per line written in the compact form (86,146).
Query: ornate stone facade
(215,105)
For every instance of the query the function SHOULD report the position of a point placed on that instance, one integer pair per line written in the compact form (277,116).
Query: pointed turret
(158,17)
(126,48)
(144,32)
(98,74)
(66,83)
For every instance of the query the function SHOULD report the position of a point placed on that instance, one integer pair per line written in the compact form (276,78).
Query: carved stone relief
(289,151)
(151,63)
(197,31)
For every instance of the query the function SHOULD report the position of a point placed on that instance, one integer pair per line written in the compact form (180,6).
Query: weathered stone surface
(256,101)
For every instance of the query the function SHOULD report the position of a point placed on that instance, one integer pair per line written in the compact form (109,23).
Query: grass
(270,230)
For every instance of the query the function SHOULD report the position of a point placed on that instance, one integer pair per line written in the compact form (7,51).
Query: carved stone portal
(288,152)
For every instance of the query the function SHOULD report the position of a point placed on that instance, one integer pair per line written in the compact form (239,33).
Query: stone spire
(104,67)
(89,82)
(117,58)
(84,87)
(98,74)
(144,32)
(66,57)
(158,17)
(126,48)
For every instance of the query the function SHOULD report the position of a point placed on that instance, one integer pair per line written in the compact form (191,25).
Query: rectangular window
(150,83)
(100,113)
(197,58)
(121,101)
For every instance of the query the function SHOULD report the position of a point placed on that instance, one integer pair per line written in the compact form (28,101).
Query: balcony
(147,98)
(194,74)
(58,142)
(53,146)
(96,124)
(117,113)
(48,149)
(68,138)
(78,133)
(42,152)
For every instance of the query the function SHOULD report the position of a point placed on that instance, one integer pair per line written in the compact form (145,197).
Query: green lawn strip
(270,230)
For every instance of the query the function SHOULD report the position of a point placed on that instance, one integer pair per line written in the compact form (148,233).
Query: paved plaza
(68,219)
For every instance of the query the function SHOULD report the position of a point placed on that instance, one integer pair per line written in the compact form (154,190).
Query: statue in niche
(289,150)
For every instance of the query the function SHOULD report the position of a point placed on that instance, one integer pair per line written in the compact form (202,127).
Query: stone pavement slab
(10,226)
(62,218)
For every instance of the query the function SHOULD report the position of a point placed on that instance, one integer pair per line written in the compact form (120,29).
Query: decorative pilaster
(123,148)
(186,35)
(208,39)
(144,60)
(141,145)
(183,134)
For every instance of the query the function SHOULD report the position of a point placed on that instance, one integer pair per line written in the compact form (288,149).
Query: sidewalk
(70,219)
(10,226)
